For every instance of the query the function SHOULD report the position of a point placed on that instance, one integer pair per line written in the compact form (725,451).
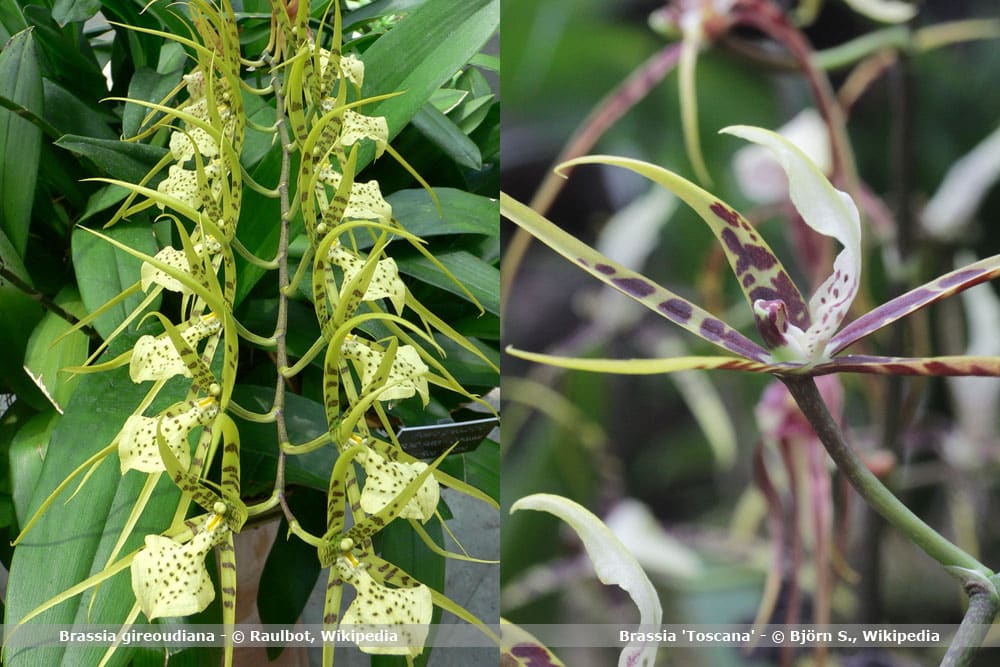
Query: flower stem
(976,623)
(806,394)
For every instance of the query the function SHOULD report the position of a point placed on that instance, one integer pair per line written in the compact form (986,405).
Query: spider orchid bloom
(365,202)
(137,446)
(184,144)
(385,281)
(407,376)
(150,275)
(182,184)
(157,357)
(385,480)
(358,126)
(801,338)
(170,578)
(376,606)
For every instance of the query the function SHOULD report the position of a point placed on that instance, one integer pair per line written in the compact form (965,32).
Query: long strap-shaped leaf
(632,284)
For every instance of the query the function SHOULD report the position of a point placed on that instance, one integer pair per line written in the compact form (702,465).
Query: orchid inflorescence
(319,116)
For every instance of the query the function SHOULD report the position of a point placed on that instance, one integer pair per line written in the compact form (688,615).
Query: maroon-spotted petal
(631,283)
(954,365)
(944,286)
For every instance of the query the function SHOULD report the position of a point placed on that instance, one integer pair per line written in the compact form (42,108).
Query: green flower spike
(376,606)
(169,578)
(157,357)
(407,376)
(137,447)
(385,281)
(385,481)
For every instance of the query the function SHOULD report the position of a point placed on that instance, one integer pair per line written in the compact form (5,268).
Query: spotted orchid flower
(137,445)
(800,338)
(176,258)
(157,357)
(375,606)
(385,480)
(385,281)
(407,375)
(170,578)
(365,202)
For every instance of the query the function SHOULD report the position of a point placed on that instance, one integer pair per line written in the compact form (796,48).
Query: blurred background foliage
(600,439)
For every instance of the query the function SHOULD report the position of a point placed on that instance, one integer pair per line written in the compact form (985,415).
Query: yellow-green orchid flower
(407,376)
(137,446)
(385,481)
(385,281)
(170,578)
(157,357)
(375,606)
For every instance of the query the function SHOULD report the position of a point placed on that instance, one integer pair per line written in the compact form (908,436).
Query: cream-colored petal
(156,358)
(366,201)
(376,606)
(149,274)
(406,377)
(358,126)
(170,579)
(137,446)
(181,184)
(385,480)
(385,282)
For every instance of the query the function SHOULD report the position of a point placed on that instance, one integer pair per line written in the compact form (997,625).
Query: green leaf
(70,114)
(478,277)
(123,160)
(45,358)
(27,453)
(147,85)
(16,306)
(438,39)
(20,141)
(441,131)
(69,11)
(72,540)
(103,271)
(480,468)
(461,213)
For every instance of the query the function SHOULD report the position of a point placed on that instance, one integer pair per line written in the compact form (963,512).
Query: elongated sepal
(942,366)
(632,284)
(917,298)
(758,270)
(651,366)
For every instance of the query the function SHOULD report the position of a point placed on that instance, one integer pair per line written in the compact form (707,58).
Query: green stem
(976,623)
(806,394)
(281,329)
